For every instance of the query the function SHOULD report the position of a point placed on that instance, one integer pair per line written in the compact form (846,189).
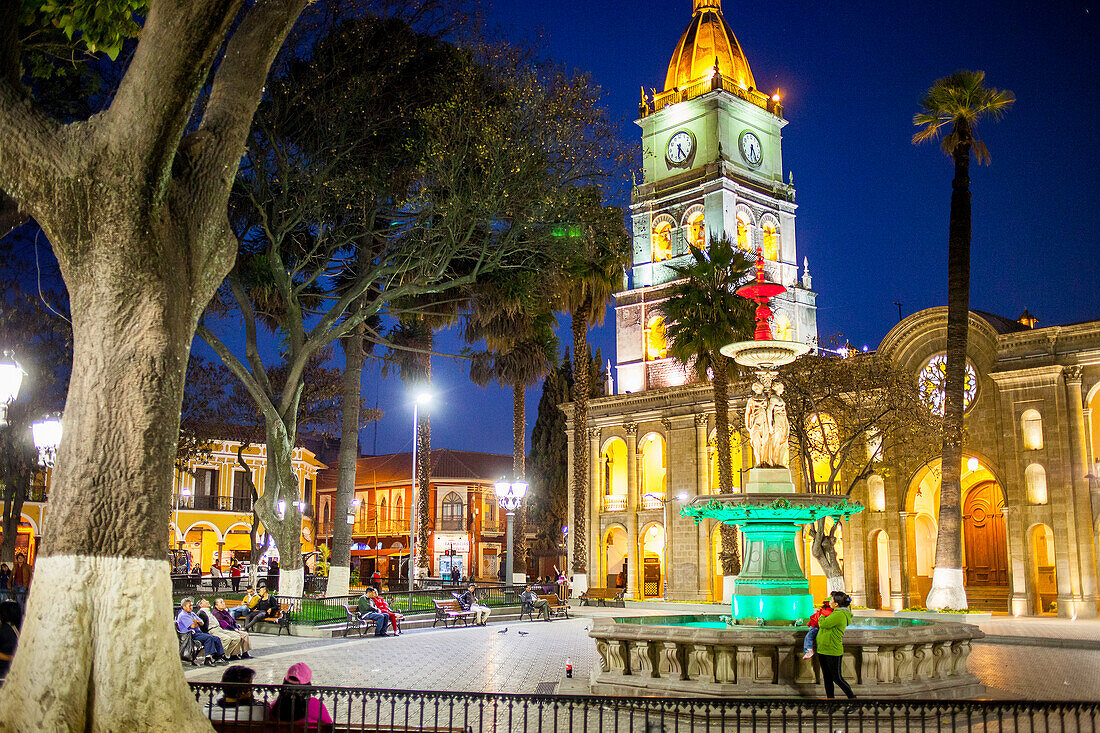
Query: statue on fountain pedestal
(767,424)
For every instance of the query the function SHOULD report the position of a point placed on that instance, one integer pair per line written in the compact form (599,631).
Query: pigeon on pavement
(503,631)
(523,633)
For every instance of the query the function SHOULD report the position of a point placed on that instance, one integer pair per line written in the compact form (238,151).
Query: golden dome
(707,38)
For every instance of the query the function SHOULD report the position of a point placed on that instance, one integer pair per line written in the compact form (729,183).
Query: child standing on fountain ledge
(811,635)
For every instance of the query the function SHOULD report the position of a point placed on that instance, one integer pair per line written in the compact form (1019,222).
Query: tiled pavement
(481,659)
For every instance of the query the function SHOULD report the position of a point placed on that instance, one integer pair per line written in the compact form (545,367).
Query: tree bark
(280,484)
(947,590)
(340,560)
(14,496)
(424,482)
(823,549)
(519,455)
(579,530)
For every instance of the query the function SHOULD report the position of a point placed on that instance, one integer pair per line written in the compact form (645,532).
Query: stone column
(896,554)
(571,520)
(668,588)
(1090,449)
(1082,503)
(905,521)
(633,571)
(597,572)
(701,487)
(1019,603)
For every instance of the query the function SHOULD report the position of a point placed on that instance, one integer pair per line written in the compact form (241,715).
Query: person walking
(20,580)
(5,581)
(830,647)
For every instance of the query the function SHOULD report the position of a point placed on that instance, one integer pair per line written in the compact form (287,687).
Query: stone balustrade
(641,656)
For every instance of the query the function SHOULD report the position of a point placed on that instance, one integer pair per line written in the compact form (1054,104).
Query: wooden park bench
(354,622)
(603,597)
(555,604)
(449,612)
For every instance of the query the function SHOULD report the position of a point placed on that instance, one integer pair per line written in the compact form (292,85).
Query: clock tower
(712,164)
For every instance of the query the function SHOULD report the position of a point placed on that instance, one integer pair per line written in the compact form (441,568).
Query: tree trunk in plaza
(339,572)
(731,557)
(14,496)
(823,549)
(580,438)
(133,202)
(280,484)
(947,578)
(519,471)
(423,481)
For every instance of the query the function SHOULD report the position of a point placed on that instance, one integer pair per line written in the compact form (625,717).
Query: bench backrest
(603,592)
(448,605)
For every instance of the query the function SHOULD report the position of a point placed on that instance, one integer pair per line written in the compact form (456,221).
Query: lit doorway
(653,561)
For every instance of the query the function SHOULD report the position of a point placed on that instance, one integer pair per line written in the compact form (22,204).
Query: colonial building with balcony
(467,526)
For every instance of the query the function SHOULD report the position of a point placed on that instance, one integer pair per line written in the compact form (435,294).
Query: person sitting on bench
(384,607)
(537,604)
(266,608)
(468,602)
(369,611)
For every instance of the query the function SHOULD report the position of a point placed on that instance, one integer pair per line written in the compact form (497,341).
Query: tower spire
(697,5)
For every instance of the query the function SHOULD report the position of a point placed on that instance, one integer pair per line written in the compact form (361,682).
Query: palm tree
(703,314)
(518,330)
(591,273)
(958,101)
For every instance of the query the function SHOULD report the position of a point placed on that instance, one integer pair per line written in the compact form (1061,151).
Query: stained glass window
(931,382)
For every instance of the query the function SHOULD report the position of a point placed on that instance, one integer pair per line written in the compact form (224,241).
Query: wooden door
(984,536)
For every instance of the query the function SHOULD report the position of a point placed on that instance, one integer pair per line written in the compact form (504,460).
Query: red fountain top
(760,291)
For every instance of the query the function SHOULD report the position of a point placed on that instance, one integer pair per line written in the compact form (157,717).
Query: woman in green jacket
(830,648)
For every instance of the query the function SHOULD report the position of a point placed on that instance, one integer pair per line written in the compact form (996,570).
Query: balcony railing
(614,503)
(381,527)
(214,503)
(500,524)
(450,524)
(825,487)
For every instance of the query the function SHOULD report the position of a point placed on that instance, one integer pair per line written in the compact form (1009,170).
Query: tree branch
(263,400)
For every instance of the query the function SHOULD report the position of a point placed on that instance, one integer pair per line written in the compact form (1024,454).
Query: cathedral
(712,165)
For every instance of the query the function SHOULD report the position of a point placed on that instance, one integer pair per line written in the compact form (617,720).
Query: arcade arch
(613,486)
(652,471)
(615,561)
(652,546)
(1042,575)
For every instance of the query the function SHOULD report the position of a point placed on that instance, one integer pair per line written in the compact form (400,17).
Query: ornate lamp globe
(510,493)
(46,434)
(11,377)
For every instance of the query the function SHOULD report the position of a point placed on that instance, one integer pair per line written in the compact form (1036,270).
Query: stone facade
(1037,535)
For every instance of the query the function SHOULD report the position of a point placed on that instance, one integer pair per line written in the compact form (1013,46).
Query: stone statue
(778,449)
(756,422)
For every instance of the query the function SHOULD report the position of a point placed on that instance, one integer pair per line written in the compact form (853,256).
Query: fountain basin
(698,656)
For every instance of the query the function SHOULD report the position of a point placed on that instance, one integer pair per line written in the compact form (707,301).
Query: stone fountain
(757,649)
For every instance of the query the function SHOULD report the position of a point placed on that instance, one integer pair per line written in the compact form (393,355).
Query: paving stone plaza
(1034,659)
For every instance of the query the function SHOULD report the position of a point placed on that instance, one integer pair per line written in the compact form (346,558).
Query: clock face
(751,150)
(680,147)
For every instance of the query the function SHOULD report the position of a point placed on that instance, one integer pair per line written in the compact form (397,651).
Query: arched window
(397,514)
(782,330)
(656,345)
(771,241)
(876,493)
(662,238)
(1035,481)
(744,231)
(695,228)
(452,512)
(653,471)
(1031,425)
(613,475)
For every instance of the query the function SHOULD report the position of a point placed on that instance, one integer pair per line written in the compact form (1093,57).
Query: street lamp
(510,495)
(46,434)
(420,397)
(354,508)
(11,376)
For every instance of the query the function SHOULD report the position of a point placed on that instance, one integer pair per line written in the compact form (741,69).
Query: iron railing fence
(354,709)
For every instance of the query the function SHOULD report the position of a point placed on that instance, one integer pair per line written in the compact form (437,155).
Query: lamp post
(422,397)
(510,495)
(11,377)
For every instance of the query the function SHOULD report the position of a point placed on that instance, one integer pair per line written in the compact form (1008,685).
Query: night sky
(873,208)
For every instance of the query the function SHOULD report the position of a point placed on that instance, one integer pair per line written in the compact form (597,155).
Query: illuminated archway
(878,595)
(656,343)
(653,470)
(616,570)
(662,238)
(613,488)
(985,545)
(770,246)
(744,231)
(694,227)
(652,546)
(1041,568)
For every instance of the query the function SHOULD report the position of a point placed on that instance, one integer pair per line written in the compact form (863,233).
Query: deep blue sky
(873,208)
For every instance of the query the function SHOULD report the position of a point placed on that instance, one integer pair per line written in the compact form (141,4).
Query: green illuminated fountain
(771,585)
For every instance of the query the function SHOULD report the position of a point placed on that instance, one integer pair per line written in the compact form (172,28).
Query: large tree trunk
(110,502)
(14,496)
(947,578)
(519,455)
(823,549)
(280,484)
(339,571)
(731,556)
(579,530)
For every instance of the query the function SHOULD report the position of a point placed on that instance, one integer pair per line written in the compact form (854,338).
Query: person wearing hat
(236,702)
(294,702)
